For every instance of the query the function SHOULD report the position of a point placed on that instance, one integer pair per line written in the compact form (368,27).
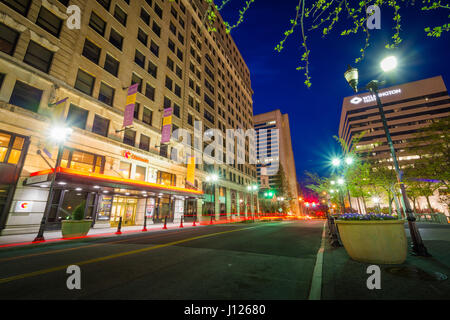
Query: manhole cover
(416,273)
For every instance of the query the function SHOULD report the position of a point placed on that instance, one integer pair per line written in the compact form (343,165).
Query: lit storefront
(13,149)
(108,198)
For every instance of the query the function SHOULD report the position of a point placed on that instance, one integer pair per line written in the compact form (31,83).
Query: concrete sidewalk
(416,278)
(54,235)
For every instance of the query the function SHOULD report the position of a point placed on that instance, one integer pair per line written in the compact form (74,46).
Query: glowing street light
(340,181)
(349,160)
(389,63)
(336,162)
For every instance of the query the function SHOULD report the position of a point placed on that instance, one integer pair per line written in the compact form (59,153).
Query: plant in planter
(373,238)
(76,226)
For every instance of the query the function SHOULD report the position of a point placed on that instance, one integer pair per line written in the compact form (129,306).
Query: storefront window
(166,178)
(83,161)
(104,208)
(125,169)
(10,148)
(140,173)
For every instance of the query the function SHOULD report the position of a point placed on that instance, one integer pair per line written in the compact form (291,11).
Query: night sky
(314,113)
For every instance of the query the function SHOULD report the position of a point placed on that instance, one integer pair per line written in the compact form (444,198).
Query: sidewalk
(107,232)
(416,278)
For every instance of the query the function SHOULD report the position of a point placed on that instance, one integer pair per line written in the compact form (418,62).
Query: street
(254,261)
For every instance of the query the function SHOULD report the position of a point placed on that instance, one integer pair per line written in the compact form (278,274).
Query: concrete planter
(378,242)
(75,228)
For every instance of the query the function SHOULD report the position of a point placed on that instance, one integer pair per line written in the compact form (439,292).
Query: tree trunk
(364,204)
(390,205)
(429,204)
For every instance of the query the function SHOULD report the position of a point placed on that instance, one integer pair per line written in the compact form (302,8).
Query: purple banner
(166,132)
(128,115)
(133,89)
(168,112)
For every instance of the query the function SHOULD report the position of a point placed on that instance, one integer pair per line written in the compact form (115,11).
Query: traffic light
(269,194)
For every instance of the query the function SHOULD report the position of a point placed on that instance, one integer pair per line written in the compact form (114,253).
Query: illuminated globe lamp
(388,64)
(349,160)
(351,75)
(336,162)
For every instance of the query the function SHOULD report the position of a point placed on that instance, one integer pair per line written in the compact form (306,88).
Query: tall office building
(81,77)
(274,145)
(408,107)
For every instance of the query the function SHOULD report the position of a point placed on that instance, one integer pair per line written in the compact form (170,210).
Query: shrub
(78,213)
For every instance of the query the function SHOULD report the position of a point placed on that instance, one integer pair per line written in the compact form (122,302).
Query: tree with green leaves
(324,16)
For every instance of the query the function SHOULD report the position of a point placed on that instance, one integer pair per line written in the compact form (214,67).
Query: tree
(323,16)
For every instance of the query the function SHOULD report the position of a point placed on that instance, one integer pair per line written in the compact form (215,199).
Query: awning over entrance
(71,176)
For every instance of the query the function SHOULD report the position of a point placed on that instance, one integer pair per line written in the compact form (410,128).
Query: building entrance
(123,207)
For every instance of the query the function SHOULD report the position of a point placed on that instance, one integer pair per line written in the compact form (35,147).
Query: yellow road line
(113,256)
(83,247)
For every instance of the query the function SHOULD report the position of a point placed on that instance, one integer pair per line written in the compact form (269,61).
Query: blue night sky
(314,113)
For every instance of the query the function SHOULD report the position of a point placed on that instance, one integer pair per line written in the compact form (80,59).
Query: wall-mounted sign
(37,179)
(372,98)
(131,156)
(24,206)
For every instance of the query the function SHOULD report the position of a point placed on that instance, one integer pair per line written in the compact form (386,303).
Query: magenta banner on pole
(128,115)
(167,125)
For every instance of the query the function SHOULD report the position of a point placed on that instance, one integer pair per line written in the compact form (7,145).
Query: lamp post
(212,179)
(337,163)
(254,188)
(58,134)
(351,75)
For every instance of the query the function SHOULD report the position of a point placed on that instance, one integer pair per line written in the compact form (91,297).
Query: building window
(116,39)
(139,58)
(21,6)
(167,103)
(91,51)
(147,116)
(111,65)
(125,169)
(178,90)
(144,143)
(136,79)
(83,161)
(8,39)
(154,48)
(152,69)
(171,46)
(38,57)
(85,82)
(106,94)
(49,22)
(169,83)
(145,16)
(137,108)
(190,119)
(26,96)
(142,37)
(179,72)
(176,110)
(98,24)
(105,3)
(120,15)
(156,29)
(100,126)
(129,137)
(170,63)
(150,92)
(140,173)
(11,147)
(77,117)
(166,178)
(158,11)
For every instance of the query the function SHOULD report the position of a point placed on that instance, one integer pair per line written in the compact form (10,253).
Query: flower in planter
(365,217)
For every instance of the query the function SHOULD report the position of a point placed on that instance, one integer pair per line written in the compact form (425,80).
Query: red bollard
(145,224)
(181,222)
(165,223)
(119,226)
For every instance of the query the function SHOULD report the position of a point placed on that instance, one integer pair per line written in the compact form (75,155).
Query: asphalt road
(254,261)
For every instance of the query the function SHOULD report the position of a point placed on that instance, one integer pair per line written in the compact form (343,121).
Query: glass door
(123,207)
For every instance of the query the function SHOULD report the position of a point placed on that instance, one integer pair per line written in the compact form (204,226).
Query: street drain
(416,273)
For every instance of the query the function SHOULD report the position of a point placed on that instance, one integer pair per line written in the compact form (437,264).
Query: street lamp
(253,189)
(336,162)
(58,134)
(351,75)
(212,179)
